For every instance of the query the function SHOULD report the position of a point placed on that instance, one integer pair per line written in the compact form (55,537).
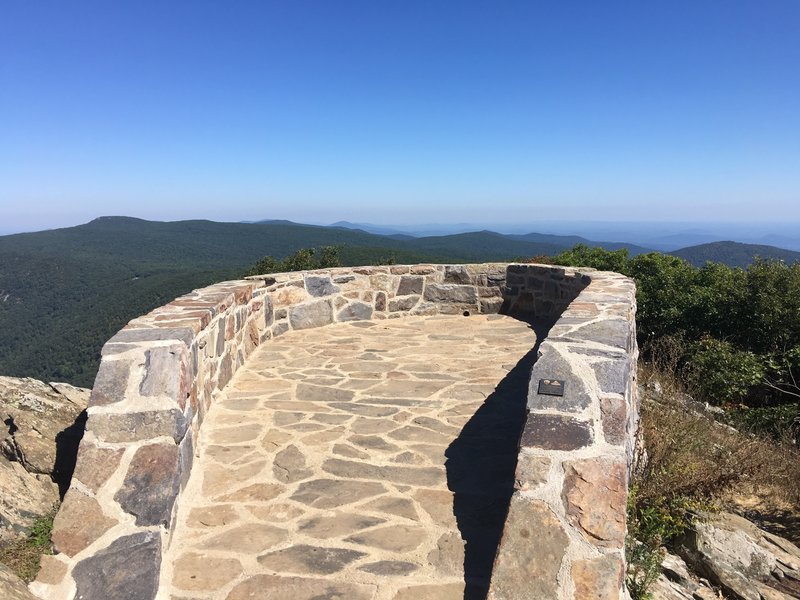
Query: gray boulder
(729,553)
(42,425)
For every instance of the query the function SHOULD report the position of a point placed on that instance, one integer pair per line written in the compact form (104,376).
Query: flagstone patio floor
(365,460)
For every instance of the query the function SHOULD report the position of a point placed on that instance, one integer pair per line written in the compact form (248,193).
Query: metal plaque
(551,387)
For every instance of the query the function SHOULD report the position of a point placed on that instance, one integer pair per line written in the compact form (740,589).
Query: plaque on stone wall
(551,387)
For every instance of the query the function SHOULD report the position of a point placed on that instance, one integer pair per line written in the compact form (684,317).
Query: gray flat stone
(391,568)
(154,334)
(449,292)
(552,365)
(320,285)
(307,392)
(304,559)
(137,426)
(355,311)
(330,493)
(610,332)
(127,570)
(290,465)
(313,314)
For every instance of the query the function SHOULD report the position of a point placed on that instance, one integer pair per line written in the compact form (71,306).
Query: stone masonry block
(79,522)
(128,569)
(530,554)
(166,373)
(552,364)
(95,465)
(137,426)
(595,495)
(320,285)
(599,578)
(450,292)
(555,432)
(355,311)
(151,484)
(313,314)
(111,382)
(410,285)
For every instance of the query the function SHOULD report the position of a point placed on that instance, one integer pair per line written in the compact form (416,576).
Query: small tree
(305,259)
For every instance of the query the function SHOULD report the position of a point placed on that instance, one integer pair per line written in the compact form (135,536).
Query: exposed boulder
(729,553)
(23,497)
(42,427)
(12,587)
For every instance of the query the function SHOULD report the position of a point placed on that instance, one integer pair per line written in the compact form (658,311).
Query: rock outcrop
(42,426)
(12,587)
(728,555)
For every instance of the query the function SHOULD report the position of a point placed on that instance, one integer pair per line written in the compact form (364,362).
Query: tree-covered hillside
(64,292)
(734,254)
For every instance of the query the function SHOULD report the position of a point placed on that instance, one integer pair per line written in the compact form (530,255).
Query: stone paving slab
(368,460)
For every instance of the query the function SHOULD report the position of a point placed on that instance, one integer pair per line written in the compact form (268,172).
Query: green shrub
(305,259)
(652,523)
(721,373)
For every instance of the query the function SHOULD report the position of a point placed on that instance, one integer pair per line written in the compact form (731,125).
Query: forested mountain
(64,292)
(734,254)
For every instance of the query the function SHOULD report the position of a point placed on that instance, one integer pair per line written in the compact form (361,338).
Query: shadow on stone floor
(480,469)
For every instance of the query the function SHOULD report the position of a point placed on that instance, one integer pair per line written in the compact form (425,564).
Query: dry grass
(693,457)
(23,556)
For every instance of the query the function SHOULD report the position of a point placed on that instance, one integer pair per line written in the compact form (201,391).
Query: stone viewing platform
(358,460)
(400,432)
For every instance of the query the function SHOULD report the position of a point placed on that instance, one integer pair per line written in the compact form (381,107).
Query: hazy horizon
(658,235)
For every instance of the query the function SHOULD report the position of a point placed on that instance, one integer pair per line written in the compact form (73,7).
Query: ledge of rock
(12,587)
(42,426)
(727,553)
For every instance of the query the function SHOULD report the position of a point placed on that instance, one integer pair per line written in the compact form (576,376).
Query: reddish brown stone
(79,522)
(595,495)
(51,570)
(423,269)
(615,417)
(380,301)
(230,324)
(555,432)
(95,465)
(599,578)
(151,484)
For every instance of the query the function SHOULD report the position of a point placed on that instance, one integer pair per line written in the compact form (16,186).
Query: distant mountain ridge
(734,254)
(66,291)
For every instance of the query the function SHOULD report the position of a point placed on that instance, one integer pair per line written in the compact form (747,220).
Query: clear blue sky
(404,112)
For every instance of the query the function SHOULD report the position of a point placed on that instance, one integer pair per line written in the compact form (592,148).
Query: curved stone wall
(160,374)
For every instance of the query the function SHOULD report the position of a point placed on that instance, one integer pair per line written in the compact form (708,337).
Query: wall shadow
(67,442)
(480,468)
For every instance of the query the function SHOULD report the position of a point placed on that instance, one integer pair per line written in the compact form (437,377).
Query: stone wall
(160,374)
(564,535)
